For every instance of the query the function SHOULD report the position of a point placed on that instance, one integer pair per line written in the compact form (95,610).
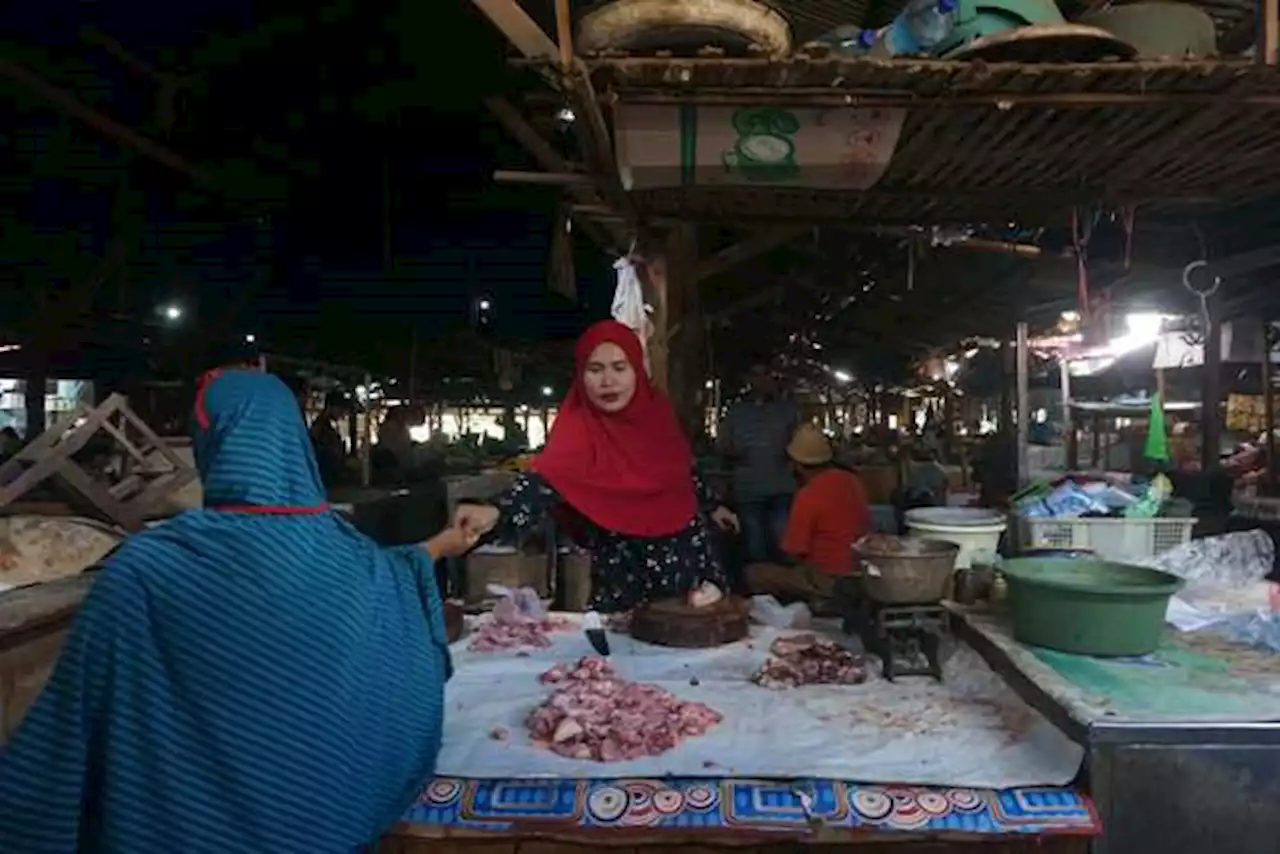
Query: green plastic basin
(1089,607)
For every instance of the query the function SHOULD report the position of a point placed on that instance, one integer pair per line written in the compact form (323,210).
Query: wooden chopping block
(673,622)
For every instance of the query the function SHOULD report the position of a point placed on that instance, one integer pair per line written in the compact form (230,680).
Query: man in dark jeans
(754,437)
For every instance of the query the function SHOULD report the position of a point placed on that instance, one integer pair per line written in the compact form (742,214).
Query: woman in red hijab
(619,460)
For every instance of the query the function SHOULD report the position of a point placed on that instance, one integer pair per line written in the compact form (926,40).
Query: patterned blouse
(625,569)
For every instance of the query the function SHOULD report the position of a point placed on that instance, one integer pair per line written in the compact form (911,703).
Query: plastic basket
(1111,539)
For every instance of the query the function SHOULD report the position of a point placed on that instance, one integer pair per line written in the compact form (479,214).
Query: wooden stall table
(524,799)
(552,816)
(33,624)
(558,815)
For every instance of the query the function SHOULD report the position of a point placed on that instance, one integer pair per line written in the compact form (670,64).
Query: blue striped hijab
(253,677)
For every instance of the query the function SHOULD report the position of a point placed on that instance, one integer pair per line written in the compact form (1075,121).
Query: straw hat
(809,447)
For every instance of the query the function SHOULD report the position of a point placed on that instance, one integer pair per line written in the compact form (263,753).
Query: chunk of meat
(514,632)
(809,660)
(593,714)
(704,595)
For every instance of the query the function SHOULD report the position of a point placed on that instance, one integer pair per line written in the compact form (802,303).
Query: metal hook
(1186,280)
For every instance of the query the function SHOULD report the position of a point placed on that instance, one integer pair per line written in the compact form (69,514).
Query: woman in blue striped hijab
(254,677)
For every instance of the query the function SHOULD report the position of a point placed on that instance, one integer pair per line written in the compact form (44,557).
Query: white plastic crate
(1113,539)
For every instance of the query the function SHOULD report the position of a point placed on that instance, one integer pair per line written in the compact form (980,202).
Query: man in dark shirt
(330,447)
(754,437)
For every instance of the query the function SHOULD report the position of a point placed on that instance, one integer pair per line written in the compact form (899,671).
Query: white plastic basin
(974,530)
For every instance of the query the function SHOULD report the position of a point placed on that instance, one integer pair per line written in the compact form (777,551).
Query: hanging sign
(689,145)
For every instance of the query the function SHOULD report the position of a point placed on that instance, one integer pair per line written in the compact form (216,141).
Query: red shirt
(829,514)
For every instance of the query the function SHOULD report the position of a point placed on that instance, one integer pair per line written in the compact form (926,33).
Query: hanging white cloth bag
(628,303)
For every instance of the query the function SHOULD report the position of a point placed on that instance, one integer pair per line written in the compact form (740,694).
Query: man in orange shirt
(830,513)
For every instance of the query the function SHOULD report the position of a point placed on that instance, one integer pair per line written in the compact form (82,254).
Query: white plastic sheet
(1226,590)
(971,730)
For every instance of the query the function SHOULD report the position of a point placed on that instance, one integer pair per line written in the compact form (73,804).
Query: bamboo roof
(981,141)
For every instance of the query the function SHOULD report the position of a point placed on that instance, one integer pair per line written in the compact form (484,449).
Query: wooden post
(1211,387)
(1068,421)
(366,439)
(1022,366)
(1268,406)
(683,333)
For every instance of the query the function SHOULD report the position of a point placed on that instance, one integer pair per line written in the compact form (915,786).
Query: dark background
(320,124)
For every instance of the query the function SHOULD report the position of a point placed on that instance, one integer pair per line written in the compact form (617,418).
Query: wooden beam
(730,257)
(564,34)
(1270,30)
(101,122)
(530,140)
(597,143)
(850,98)
(556,179)
(521,30)
(609,238)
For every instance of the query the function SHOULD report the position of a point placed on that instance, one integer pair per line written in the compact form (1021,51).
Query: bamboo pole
(101,122)
(557,179)
(564,34)
(835,97)
(1270,30)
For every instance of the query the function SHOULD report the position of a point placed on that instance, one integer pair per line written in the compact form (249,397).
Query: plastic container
(974,530)
(1108,538)
(918,30)
(1088,607)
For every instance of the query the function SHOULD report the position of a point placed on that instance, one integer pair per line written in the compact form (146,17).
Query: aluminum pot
(906,570)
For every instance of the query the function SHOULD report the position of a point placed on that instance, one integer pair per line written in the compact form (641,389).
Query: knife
(593,628)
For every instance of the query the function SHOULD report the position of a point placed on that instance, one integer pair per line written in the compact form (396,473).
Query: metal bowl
(906,570)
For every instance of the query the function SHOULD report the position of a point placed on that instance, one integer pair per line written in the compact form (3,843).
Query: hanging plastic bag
(768,611)
(628,302)
(516,604)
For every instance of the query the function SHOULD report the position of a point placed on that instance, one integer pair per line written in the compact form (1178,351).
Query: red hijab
(629,471)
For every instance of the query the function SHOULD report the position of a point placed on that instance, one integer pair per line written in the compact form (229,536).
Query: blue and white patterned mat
(751,805)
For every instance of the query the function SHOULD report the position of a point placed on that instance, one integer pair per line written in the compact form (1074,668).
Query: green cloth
(1157,439)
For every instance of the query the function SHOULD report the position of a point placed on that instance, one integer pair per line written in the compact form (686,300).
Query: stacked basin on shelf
(975,530)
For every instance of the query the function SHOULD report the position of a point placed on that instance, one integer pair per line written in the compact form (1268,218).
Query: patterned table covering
(785,806)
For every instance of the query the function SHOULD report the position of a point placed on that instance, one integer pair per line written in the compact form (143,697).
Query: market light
(1144,323)
(842,376)
(547,391)
(566,115)
(485,305)
(250,338)
(171,313)
(1070,317)
(1144,330)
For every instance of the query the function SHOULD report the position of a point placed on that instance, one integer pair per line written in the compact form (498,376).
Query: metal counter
(1161,787)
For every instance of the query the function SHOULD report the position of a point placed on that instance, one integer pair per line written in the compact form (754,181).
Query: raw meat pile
(510,629)
(595,715)
(809,660)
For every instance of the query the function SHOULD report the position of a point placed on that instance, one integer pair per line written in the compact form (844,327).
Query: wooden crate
(575,569)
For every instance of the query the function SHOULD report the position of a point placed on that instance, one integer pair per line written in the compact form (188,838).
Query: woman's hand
(725,519)
(450,542)
(475,520)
